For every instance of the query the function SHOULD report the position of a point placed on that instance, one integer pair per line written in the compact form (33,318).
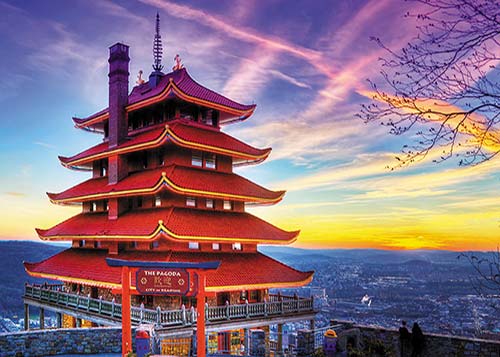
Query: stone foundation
(373,338)
(61,341)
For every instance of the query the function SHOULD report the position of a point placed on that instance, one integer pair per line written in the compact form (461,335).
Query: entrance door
(222,298)
(94,292)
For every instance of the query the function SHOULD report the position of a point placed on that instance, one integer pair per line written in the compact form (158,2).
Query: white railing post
(184,316)
(141,313)
(227,310)
(247,312)
(158,315)
(265,306)
(113,307)
(193,315)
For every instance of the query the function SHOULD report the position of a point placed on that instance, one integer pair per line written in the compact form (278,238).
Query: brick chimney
(118,93)
(118,100)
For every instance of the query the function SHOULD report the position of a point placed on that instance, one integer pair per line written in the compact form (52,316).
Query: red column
(200,322)
(126,322)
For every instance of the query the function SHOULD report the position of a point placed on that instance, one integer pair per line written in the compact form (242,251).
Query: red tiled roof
(237,270)
(182,86)
(175,223)
(151,138)
(183,133)
(178,179)
(188,134)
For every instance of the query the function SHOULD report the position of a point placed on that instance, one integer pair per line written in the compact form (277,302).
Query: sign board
(163,281)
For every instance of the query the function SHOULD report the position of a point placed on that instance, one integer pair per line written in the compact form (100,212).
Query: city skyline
(304,66)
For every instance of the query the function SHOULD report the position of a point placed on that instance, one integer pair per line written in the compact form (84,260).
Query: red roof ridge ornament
(140,80)
(178,65)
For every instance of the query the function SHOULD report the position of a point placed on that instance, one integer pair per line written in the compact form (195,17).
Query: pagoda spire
(157,47)
(156,76)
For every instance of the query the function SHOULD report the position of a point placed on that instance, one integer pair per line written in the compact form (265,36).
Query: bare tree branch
(444,85)
(486,282)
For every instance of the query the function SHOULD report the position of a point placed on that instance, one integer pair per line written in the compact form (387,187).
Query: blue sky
(303,63)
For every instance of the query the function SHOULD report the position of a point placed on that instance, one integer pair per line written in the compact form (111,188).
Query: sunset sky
(305,65)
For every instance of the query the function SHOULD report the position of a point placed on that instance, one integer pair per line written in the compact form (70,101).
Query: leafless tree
(444,86)
(486,282)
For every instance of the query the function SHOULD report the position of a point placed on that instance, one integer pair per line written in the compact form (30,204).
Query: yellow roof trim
(160,141)
(161,229)
(259,286)
(173,187)
(171,87)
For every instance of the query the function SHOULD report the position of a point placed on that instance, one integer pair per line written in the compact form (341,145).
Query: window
(154,244)
(254,295)
(161,158)
(81,243)
(236,246)
(97,244)
(157,201)
(133,245)
(197,159)
(145,160)
(207,120)
(93,207)
(210,203)
(215,246)
(228,205)
(139,202)
(190,201)
(210,161)
(194,245)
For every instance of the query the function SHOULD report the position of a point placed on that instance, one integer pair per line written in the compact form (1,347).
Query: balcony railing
(277,305)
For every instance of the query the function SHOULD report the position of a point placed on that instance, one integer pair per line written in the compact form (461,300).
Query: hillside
(13,277)
(13,253)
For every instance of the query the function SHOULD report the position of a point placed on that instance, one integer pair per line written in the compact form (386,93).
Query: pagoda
(163,190)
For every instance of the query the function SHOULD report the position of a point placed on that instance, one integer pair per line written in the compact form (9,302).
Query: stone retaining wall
(435,344)
(61,341)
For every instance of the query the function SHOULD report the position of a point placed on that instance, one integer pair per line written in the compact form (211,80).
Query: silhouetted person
(417,340)
(404,338)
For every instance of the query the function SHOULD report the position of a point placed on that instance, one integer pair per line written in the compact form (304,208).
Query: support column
(246,341)
(59,319)
(126,321)
(78,322)
(200,322)
(26,317)
(279,346)
(42,318)
(312,325)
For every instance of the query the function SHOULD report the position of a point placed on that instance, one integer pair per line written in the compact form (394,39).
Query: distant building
(163,190)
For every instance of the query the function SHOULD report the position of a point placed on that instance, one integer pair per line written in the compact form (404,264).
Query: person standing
(417,340)
(404,339)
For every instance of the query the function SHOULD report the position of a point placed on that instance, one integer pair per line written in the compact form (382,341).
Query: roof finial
(178,65)
(157,47)
(140,80)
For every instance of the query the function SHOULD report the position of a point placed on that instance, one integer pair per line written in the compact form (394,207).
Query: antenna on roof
(157,47)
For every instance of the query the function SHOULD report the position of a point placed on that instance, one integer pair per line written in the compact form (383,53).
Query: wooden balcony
(277,309)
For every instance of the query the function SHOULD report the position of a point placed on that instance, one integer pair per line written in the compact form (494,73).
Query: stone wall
(61,341)
(374,337)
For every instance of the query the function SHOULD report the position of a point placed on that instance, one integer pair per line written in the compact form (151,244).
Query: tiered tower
(163,189)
